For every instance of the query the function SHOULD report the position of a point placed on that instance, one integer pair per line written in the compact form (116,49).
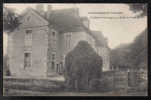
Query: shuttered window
(27,49)
(28,38)
(27,60)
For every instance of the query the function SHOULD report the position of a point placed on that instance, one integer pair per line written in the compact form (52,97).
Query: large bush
(82,64)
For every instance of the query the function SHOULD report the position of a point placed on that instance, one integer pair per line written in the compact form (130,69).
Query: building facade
(36,48)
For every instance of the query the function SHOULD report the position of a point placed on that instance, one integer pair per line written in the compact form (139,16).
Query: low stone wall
(27,84)
(110,81)
(115,80)
(121,79)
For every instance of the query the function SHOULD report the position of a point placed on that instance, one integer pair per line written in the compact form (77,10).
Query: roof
(68,20)
(65,20)
(101,40)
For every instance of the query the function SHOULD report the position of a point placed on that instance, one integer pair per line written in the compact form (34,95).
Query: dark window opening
(28,31)
(53,65)
(61,68)
(58,68)
(27,54)
(53,56)
(53,33)
(27,60)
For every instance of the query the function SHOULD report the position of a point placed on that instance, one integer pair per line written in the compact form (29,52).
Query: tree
(82,65)
(10,20)
(133,55)
(139,50)
(121,56)
(142,8)
(139,46)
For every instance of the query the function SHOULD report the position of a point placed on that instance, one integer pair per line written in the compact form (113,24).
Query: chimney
(40,9)
(49,10)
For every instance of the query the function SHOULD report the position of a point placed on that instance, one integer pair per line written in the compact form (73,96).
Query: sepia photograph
(75,49)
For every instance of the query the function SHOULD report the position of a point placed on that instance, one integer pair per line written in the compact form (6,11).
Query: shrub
(82,64)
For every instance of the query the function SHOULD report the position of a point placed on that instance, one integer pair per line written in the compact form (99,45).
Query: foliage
(82,65)
(132,55)
(10,20)
(142,8)
(120,56)
(139,50)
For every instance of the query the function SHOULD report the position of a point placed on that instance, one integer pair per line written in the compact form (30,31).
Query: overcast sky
(117,31)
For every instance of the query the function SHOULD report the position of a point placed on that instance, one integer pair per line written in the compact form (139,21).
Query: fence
(122,79)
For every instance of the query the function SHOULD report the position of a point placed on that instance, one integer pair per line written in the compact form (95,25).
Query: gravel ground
(36,93)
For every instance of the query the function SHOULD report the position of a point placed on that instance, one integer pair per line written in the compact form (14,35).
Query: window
(68,40)
(53,60)
(53,33)
(54,40)
(54,44)
(28,18)
(27,48)
(28,31)
(53,65)
(61,66)
(53,57)
(27,60)
(28,38)
(58,71)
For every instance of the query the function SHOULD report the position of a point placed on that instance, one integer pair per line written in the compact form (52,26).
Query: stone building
(39,45)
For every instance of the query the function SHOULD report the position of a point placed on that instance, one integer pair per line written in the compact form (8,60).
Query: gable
(31,19)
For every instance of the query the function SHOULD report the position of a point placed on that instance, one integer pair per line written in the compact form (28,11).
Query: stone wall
(38,52)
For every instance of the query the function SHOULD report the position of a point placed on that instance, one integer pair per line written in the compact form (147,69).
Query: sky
(116,30)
